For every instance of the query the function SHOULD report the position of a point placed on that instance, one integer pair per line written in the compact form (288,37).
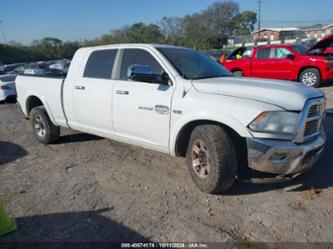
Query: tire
(238,74)
(218,169)
(42,127)
(310,77)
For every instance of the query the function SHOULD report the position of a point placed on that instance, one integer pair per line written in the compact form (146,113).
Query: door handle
(80,87)
(123,92)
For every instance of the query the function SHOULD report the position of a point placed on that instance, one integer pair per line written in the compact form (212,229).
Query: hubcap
(309,78)
(200,159)
(39,126)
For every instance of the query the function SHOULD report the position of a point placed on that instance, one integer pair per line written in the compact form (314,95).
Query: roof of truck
(133,45)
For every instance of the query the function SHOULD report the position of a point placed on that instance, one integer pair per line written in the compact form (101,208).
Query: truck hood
(285,94)
(322,44)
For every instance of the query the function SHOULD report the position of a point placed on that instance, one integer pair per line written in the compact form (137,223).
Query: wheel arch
(33,101)
(236,69)
(183,135)
(307,67)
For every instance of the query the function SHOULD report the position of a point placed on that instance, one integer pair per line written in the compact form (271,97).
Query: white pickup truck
(179,101)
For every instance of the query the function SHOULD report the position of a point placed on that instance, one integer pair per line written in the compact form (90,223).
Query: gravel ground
(90,189)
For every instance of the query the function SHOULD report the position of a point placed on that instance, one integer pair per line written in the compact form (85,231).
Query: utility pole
(3,32)
(259,17)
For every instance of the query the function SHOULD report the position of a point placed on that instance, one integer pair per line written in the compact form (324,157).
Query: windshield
(192,64)
(301,49)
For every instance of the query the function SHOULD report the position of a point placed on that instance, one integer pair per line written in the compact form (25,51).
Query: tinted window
(193,65)
(264,53)
(138,57)
(100,64)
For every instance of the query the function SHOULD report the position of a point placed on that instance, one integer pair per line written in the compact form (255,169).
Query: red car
(297,62)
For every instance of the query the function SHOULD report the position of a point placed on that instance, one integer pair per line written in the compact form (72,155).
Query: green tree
(245,22)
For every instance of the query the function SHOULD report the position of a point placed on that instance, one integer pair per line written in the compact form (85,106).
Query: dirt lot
(85,188)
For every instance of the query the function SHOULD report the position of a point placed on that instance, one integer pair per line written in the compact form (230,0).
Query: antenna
(259,17)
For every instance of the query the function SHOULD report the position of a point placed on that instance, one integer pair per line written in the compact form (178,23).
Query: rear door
(263,63)
(92,93)
(141,110)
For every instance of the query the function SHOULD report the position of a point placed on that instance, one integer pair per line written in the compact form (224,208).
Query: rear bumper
(283,158)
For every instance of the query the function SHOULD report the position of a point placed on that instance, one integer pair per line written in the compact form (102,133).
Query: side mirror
(144,73)
(291,56)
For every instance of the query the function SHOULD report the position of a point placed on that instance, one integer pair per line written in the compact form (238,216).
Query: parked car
(7,87)
(179,101)
(311,66)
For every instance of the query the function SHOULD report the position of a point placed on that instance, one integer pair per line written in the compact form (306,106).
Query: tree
(245,22)
(173,30)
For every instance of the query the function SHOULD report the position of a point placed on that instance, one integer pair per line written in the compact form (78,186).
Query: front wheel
(211,159)
(310,77)
(42,127)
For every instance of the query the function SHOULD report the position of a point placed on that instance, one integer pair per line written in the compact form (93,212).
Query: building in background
(275,34)
(318,30)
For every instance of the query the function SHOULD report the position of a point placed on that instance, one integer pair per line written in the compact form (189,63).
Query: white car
(179,101)
(7,86)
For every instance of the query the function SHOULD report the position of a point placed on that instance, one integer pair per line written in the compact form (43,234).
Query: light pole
(3,32)
(259,17)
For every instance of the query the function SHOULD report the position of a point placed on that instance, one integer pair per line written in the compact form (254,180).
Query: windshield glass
(301,49)
(192,64)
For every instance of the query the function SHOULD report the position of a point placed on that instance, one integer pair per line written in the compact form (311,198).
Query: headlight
(275,122)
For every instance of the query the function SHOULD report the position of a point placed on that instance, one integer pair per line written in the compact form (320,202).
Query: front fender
(223,119)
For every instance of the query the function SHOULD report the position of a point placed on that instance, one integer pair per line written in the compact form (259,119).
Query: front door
(141,110)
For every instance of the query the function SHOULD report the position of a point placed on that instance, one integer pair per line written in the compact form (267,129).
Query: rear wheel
(310,77)
(211,159)
(238,74)
(42,127)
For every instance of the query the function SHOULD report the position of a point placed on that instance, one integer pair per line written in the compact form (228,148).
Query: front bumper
(283,158)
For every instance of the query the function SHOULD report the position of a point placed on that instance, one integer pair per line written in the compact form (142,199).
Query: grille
(313,121)
(311,127)
(314,110)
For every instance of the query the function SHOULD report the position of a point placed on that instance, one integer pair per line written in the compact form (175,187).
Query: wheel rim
(39,126)
(200,159)
(238,74)
(309,78)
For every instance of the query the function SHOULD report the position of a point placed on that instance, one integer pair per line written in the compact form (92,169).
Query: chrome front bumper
(281,157)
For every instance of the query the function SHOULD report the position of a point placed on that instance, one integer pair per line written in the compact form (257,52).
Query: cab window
(281,53)
(140,57)
(100,64)
(263,53)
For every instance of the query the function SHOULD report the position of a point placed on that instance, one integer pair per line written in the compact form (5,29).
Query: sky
(27,20)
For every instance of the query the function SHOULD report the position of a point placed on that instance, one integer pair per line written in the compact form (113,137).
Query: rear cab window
(100,64)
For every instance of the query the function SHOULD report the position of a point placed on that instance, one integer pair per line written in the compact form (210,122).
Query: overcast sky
(27,20)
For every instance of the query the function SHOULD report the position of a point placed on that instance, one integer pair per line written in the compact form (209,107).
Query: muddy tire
(310,77)
(42,127)
(238,74)
(211,159)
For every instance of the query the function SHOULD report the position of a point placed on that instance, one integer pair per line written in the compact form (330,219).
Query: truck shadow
(77,137)
(10,152)
(319,178)
(84,229)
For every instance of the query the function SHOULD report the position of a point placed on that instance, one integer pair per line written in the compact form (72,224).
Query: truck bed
(46,88)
